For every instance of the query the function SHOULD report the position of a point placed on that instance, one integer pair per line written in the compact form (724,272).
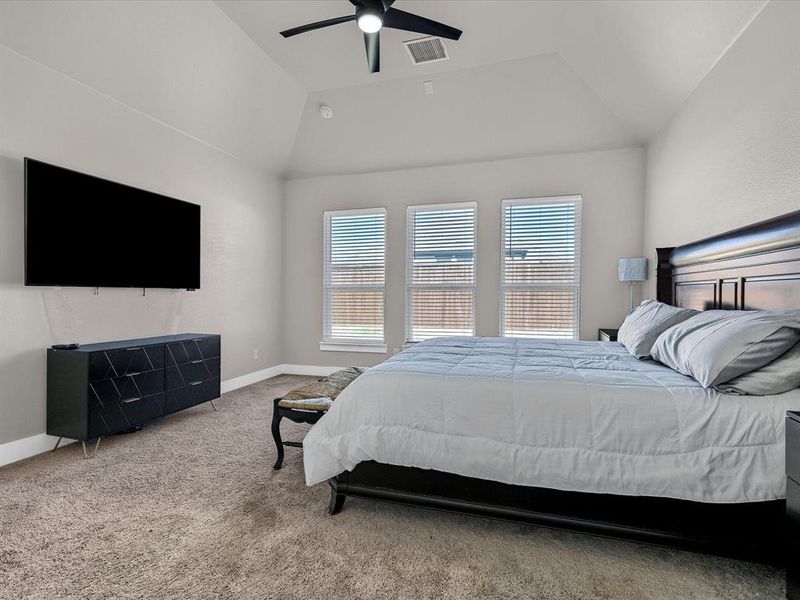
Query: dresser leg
(214,406)
(58,441)
(88,455)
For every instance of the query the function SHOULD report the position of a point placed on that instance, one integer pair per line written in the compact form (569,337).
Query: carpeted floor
(190,508)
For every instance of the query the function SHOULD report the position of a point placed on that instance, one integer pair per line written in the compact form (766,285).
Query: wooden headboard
(755,267)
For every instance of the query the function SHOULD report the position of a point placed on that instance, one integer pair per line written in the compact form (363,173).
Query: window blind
(541,268)
(354,276)
(440,279)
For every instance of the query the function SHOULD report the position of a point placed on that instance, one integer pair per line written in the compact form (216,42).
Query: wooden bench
(308,404)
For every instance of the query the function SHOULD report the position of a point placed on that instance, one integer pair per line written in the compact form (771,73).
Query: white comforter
(583,416)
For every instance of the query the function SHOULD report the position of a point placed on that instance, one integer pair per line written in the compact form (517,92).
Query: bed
(573,416)
(582,434)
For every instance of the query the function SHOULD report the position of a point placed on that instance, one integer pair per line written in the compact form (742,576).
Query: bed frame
(755,267)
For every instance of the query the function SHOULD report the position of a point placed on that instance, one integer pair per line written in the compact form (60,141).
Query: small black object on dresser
(101,389)
(793,504)
(607,335)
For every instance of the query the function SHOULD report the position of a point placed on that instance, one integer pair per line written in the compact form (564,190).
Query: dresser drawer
(118,416)
(119,389)
(209,346)
(194,372)
(116,363)
(179,353)
(190,374)
(793,449)
(191,395)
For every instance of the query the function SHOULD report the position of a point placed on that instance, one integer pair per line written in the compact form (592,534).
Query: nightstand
(793,505)
(607,335)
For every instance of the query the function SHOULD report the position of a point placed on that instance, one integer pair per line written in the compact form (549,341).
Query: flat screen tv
(81,230)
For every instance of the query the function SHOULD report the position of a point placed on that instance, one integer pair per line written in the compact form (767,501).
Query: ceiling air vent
(426,50)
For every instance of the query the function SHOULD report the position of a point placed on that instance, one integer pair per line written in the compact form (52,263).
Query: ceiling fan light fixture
(369,21)
(373,15)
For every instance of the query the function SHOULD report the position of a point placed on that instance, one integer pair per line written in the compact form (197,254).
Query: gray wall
(49,116)
(731,156)
(612,185)
(527,107)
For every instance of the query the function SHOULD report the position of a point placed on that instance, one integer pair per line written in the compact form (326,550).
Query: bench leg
(276,433)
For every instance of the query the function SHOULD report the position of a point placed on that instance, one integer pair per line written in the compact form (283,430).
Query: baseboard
(308,370)
(37,444)
(244,380)
(26,447)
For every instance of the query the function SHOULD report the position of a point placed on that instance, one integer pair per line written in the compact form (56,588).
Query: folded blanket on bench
(320,394)
(319,404)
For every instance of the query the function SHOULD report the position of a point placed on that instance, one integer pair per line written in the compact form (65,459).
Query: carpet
(191,508)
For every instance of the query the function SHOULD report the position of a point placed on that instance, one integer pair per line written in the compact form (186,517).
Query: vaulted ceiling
(527,77)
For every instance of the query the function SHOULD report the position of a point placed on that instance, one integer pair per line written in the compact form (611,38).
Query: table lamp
(632,270)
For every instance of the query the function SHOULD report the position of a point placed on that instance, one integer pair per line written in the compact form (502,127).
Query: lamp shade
(632,269)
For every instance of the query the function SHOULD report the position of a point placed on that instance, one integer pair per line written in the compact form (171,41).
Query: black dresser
(101,389)
(793,504)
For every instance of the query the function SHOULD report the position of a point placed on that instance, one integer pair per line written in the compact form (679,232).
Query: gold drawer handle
(129,400)
(133,374)
(196,382)
(194,362)
(132,349)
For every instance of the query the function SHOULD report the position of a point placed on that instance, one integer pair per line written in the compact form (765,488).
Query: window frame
(328,342)
(576,199)
(410,287)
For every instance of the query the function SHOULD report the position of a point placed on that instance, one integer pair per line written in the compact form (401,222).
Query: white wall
(49,116)
(612,185)
(731,155)
(183,63)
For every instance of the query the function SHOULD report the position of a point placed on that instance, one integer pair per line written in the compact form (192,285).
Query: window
(541,270)
(354,280)
(440,277)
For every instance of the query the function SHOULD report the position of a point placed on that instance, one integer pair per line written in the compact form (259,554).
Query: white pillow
(779,376)
(717,345)
(647,321)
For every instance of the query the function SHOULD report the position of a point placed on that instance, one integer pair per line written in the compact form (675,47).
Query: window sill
(344,347)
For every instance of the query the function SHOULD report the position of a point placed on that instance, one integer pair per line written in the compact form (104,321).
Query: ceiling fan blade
(372,41)
(317,25)
(372,3)
(400,19)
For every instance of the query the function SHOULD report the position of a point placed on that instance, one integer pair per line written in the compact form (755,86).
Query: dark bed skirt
(754,530)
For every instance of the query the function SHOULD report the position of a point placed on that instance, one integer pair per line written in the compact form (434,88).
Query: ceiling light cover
(370,23)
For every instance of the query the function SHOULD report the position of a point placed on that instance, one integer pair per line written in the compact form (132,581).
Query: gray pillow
(717,345)
(779,376)
(647,321)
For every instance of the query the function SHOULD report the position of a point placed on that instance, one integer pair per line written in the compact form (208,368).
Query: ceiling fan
(371,16)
